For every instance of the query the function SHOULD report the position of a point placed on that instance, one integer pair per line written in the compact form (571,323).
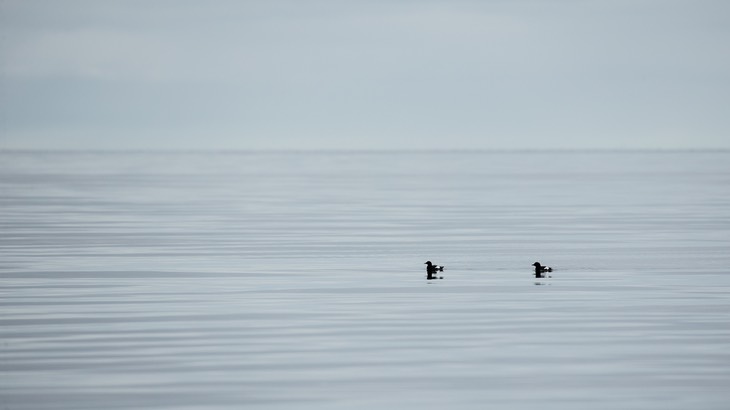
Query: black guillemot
(431,270)
(539,270)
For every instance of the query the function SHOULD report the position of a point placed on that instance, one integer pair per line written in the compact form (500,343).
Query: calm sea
(289,280)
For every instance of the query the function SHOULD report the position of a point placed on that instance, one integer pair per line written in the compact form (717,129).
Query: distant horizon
(365,150)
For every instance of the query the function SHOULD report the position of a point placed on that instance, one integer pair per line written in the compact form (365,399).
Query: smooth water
(296,280)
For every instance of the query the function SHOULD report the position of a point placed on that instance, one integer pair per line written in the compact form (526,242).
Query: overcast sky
(400,74)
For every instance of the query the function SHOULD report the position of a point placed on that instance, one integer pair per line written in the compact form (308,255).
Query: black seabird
(539,270)
(431,270)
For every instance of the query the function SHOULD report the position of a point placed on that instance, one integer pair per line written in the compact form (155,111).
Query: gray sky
(401,74)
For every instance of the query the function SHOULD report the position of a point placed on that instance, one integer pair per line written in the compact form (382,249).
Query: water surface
(296,280)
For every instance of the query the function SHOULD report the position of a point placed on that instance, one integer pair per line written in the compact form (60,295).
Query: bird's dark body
(431,270)
(540,270)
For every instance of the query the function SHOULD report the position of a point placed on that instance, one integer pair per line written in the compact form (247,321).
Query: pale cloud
(100,54)
(349,74)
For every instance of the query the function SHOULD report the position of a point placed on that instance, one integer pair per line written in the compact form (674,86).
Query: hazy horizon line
(358,150)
